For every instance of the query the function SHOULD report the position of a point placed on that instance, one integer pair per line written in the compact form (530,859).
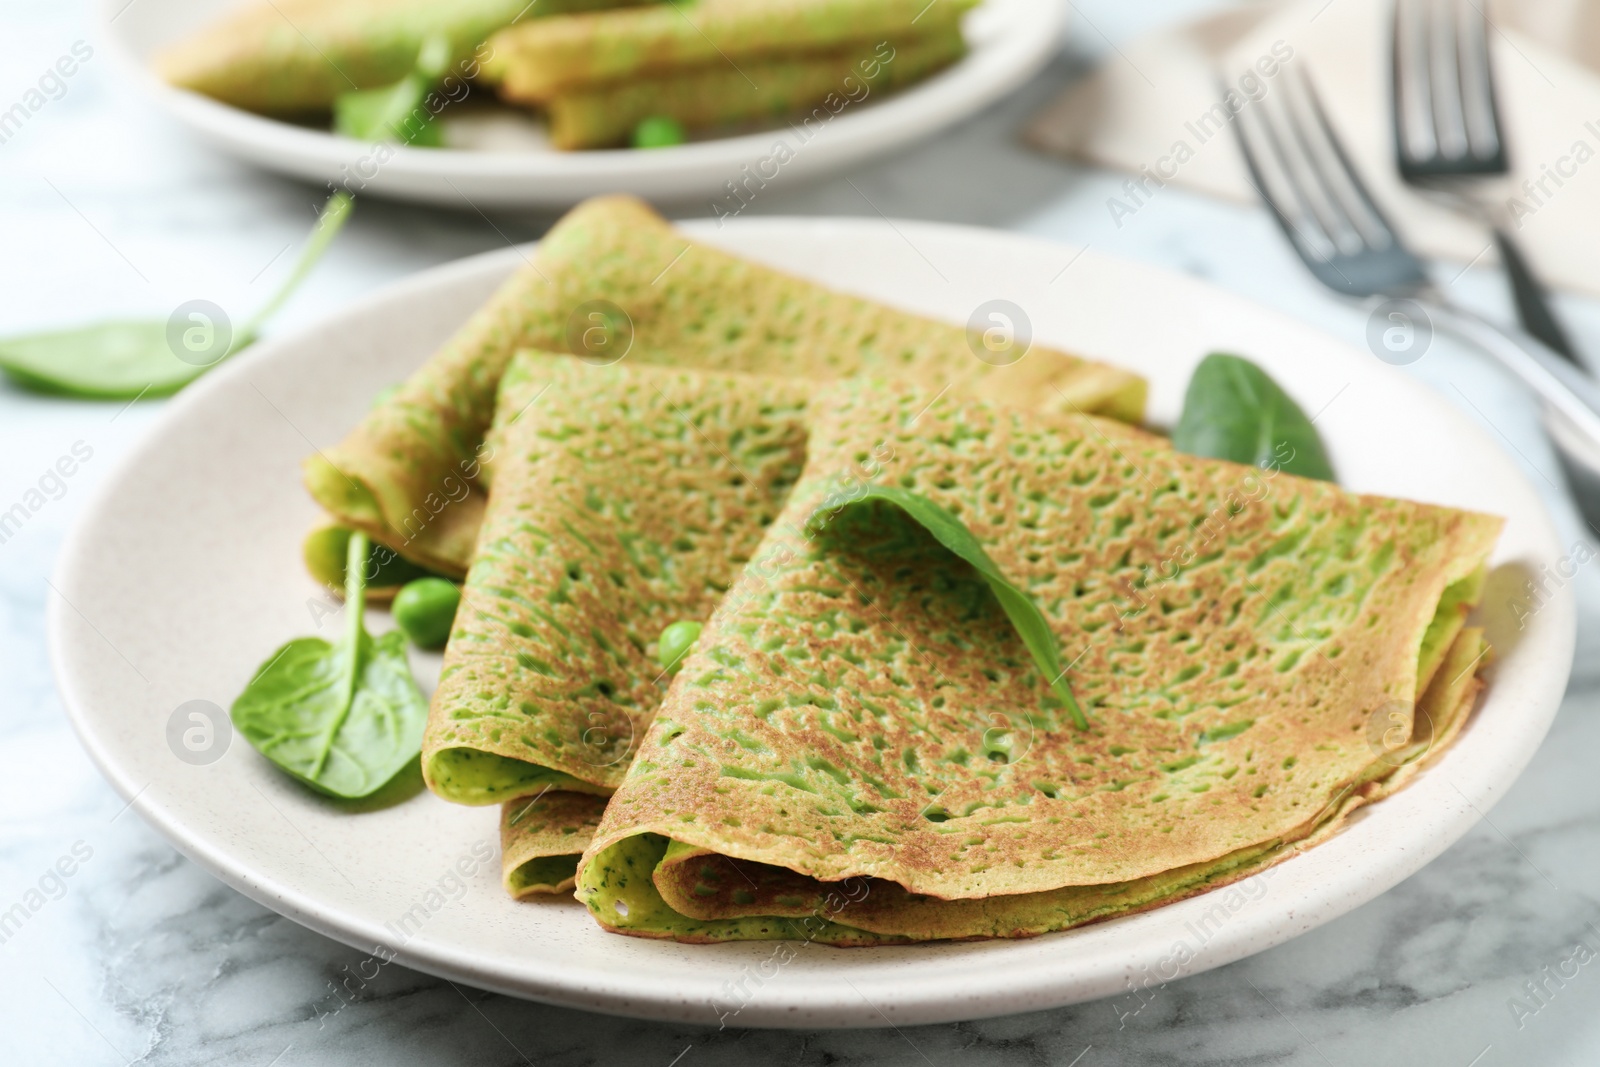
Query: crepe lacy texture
(682,304)
(859,706)
(625,500)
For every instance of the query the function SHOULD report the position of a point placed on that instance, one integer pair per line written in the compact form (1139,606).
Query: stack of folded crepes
(595,72)
(625,500)
(715,62)
(860,748)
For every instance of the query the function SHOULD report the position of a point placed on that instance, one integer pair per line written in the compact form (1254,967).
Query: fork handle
(1533,301)
(1557,382)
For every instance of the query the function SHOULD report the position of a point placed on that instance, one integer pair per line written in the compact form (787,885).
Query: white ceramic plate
(184,574)
(1010,41)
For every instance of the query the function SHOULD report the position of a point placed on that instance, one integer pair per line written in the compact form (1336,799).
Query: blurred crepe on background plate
(1007,42)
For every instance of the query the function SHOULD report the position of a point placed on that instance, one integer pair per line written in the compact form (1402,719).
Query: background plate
(1010,41)
(184,574)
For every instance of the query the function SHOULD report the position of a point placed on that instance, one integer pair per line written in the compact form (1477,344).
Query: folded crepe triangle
(626,499)
(612,279)
(860,749)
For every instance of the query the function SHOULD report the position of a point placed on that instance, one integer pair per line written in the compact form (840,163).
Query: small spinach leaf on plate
(105,361)
(390,113)
(130,360)
(1233,410)
(953,534)
(343,717)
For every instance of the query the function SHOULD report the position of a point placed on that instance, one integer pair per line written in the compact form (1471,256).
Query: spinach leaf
(1024,614)
(106,361)
(1233,410)
(329,223)
(128,360)
(344,717)
(395,112)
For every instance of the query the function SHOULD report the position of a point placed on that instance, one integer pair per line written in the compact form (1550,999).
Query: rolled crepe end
(541,839)
(616,885)
(345,497)
(649,885)
(440,541)
(1123,400)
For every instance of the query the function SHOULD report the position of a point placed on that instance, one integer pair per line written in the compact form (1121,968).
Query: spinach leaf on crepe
(1233,410)
(395,112)
(129,360)
(344,717)
(950,532)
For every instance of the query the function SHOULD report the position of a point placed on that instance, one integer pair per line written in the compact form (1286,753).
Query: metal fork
(1447,135)
(1306,178)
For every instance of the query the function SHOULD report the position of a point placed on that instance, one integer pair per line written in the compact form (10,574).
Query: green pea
(326,548)
(675,642)
(425,609)
(324,551)
(382,396)
(658,131)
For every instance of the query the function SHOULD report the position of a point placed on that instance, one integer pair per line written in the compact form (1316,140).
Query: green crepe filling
(468,776)
(543,871)
(1447,621)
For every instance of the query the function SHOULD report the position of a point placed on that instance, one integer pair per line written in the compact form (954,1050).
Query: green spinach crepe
(764,88)
(541,62)
(612,278)
(626,499)
(860,749)
(287,56)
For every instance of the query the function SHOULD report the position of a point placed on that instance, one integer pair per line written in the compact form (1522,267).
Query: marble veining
(1489,956)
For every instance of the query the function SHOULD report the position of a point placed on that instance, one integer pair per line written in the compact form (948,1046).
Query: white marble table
(138,956)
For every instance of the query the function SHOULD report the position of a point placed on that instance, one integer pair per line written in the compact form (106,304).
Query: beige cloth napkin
(1146,106)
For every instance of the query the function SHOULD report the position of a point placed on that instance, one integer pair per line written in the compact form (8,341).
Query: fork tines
(1303,173)
(1446,120)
